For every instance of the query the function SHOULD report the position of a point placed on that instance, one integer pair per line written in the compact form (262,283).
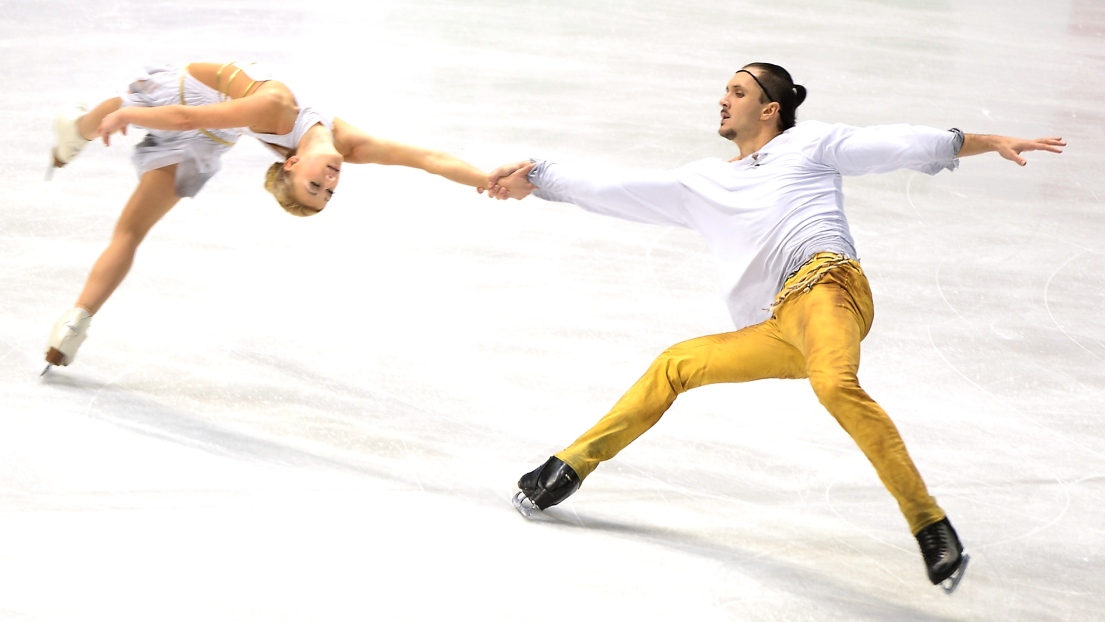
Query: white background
(323,419)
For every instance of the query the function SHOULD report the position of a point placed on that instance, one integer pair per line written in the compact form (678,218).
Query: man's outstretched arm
(655,197)
(1007,147)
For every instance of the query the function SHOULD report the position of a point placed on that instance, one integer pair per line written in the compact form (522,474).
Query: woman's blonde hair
(277,183)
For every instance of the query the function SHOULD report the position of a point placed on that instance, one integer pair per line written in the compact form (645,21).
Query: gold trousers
(818,321)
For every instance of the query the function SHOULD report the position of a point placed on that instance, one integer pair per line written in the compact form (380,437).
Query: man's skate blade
(524,506)
(952,582)
(48,366)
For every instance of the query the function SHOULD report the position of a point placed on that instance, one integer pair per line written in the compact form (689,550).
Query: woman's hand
(510,181)
(112,123)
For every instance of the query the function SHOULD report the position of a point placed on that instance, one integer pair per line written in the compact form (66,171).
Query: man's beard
(727,133)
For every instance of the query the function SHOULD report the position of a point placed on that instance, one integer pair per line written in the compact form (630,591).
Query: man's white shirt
(765,214)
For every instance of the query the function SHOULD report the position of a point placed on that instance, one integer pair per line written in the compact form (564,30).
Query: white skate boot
(69,139)
(68,334)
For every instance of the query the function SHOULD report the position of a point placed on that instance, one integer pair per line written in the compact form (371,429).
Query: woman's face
(314,178)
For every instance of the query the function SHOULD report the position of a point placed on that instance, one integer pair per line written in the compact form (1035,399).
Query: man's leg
(752,353)
(827,323)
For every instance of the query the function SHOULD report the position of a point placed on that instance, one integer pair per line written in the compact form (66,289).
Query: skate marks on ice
(757,562)
(335,426)
(1058,338)
(1081,264)
(748,579)
(1041,511)
(667,498)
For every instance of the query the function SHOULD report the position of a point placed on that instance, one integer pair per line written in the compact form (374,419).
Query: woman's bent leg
(75,127)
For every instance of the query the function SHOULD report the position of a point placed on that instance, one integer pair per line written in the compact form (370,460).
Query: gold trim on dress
(220,140)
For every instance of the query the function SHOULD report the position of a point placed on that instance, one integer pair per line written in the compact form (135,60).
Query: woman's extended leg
(154,197)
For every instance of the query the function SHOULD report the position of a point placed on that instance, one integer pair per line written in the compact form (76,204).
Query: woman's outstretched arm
(359,148)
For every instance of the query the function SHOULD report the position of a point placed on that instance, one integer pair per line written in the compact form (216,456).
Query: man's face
(741,109)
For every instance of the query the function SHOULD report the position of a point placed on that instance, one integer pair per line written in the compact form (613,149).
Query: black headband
(761,84)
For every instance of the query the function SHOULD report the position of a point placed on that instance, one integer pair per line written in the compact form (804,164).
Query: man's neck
(754,143)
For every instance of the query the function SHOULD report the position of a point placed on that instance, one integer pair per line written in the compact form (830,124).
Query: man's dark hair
(779,87)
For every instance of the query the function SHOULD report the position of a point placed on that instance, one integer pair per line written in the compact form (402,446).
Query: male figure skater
(774,215)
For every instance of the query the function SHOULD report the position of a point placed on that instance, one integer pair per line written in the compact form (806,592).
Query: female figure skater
(194,114)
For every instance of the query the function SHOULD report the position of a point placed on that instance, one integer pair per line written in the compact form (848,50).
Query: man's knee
(835,389)
(677,366)
(853,409)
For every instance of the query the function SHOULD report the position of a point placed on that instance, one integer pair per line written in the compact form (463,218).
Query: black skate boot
(944,556)
(546,486)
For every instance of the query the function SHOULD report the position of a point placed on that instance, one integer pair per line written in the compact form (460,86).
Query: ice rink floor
(284,419)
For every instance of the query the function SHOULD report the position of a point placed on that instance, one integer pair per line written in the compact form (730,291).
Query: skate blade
(48,366)
(55,164)
(952,582)
(524,506)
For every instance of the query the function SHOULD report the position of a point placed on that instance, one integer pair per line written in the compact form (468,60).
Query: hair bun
(799,95)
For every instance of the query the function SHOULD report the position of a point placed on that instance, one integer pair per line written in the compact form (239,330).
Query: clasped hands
(510,181)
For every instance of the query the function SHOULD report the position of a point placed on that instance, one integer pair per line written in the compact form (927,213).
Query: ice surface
(322,419)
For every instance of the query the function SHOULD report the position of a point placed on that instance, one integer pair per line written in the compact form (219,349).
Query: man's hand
(1008,147)
(509,181)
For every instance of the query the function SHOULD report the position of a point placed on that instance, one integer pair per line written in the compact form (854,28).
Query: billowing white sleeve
(883,148)
(653,197)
